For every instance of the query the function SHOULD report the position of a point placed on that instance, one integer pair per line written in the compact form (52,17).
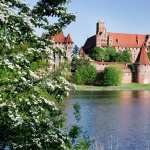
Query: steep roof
(68,39)
(127,40)
(143,57)
(89,44)
(60,38)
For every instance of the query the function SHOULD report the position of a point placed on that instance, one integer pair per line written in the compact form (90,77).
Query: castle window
(117,40)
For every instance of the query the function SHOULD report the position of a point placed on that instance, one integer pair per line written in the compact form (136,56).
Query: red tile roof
(60,38)
(127,40)
(143,57)
(68,39)
(123,40)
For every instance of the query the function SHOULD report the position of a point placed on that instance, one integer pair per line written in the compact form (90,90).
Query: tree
(30,117)
(85,73)
(98,54)
(124,56)
(75,52)
(109,54)
(112,76)
(75,57)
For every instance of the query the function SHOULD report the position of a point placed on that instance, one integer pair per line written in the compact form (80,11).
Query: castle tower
(142,66)
(62,42)
(69,46)
(101,34)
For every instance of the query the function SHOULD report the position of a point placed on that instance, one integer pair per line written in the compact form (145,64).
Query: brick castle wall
(143,73)
(127,73)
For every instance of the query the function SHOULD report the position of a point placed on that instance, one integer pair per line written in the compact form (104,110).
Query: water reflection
(116,120)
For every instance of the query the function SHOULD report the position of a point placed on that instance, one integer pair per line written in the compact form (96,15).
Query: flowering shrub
(28,118)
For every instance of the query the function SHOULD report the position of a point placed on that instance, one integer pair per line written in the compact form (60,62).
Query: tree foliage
(124,56)
(110,55)
(75,52)
(28,119)
(75,57)
(85,72)
(112,76)
(98,54)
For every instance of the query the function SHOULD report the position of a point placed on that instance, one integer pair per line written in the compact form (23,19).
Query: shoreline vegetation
(126,87)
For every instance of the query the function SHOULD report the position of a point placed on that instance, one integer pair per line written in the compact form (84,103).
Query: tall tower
(101,34)
(69,46)
(142,66)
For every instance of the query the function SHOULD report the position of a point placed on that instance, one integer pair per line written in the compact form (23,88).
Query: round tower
(143,67)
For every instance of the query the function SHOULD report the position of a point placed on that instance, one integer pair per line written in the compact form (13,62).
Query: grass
(132,86)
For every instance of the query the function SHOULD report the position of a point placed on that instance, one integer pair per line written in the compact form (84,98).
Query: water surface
(116,120)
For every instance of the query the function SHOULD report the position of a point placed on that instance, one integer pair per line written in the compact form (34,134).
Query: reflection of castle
(62,42)
(136,43)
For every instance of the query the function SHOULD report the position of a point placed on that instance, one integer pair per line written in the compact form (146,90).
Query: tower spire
(142,58)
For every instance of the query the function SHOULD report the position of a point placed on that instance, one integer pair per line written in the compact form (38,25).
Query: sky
(129,16)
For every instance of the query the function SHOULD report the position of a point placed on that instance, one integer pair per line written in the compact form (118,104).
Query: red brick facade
(62,42)
(136,43)
(120,41)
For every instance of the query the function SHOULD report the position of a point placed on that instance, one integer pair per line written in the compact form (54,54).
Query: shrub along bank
(112,76)
(86,74)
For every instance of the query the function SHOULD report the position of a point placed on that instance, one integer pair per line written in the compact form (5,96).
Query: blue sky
(130,16)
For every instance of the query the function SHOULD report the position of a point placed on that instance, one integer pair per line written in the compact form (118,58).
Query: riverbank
(127,87)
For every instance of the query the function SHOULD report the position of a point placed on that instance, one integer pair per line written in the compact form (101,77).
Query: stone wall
(143,74)
(127,74)
(58,59)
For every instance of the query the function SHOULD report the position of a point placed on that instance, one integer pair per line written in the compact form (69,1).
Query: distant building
(62,42)
(119,41)
(138,44)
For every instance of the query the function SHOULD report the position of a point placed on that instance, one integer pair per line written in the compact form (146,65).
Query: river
(115,120)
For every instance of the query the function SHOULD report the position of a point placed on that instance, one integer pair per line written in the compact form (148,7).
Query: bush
(112,76)
(99,78)
(85,73)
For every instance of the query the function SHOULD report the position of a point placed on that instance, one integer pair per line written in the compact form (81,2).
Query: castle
(139,70)
(62,42)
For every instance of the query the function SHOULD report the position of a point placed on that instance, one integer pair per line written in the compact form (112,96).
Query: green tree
(126,56)
(75,52)
(85,73)
(110,54)
(98,54)
(30,95)
(75,58)
(112,76)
